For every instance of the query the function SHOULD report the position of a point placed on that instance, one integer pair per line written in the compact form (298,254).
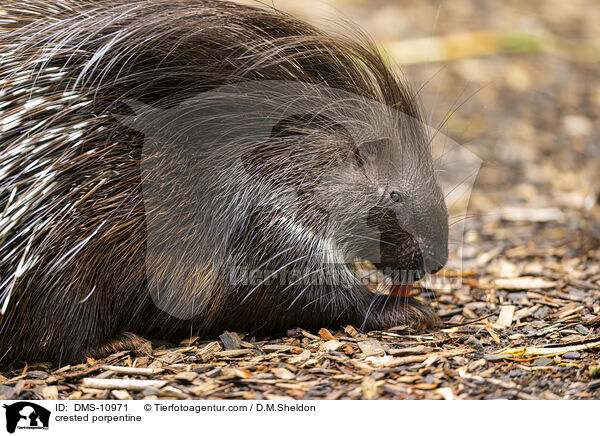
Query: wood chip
(520,283)
(446,393)
(492,333)
(309,335)
(420,349)
(549,351)
(330,345)
(204,388)
(209,350)
(128,370)
(186,376)
(303,356)
(371,347)
(121,394)
(229,373)
(369,388)
(351,331)
(128,385)
(326,334)
(234,353)
(231,340)
(50,393)
(283,373)
(505,318)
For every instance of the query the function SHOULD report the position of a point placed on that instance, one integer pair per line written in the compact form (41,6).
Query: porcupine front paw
(122,342)
(386,311)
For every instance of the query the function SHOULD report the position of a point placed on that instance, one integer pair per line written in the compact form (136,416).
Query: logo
(26,415)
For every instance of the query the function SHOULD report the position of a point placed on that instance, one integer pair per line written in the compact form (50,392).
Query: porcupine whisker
(398,300)
(454,110)
(384,303)
(299,294)
(433,30)
(431,296)
(370,239)
(272,275)
(303,290)
(364,323)
(6,352)
(274,257)
(472,216)
(467,177)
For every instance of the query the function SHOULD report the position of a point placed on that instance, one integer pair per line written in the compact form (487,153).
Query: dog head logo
(26,415)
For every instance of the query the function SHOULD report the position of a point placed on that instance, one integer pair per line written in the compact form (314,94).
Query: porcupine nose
(432,265)
(398,249)
(405,251)
(433,240)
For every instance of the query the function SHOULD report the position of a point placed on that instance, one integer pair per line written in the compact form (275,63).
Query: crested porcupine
(184,167)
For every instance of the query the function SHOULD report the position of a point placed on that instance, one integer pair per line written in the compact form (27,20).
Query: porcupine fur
(73,272)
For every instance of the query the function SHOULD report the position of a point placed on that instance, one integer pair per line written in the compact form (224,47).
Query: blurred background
(518,84)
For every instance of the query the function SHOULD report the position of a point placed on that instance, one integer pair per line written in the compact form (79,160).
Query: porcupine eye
(396,197)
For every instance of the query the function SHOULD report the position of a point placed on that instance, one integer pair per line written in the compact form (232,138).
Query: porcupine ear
(283,161)
(369,150)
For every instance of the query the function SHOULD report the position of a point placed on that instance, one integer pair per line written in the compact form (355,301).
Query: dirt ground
(524,321)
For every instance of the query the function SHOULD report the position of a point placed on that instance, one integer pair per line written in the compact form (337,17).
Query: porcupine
(74,244)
